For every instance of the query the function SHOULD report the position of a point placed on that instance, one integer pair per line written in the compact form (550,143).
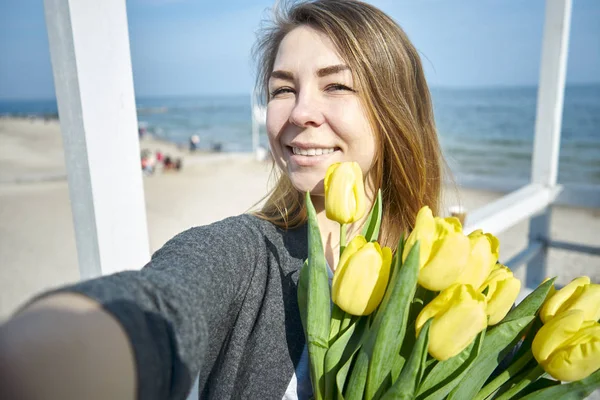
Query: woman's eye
(281,90)
(338,86)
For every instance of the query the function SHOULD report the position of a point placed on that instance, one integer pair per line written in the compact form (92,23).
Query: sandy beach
(37,245)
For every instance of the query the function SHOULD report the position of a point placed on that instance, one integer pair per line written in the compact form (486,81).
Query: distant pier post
(548,124)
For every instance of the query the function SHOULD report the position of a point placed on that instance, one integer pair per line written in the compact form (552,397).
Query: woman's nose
(307,111)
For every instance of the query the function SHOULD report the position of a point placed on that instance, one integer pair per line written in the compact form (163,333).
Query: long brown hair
(391,82)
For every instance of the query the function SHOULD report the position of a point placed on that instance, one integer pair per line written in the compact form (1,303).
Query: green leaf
(519,382)
(340,351)
(340,378)
(532,303)
(544,383)
(347,321)
(337,314)
(493,350)
(447,374)
(371,228)
(303,293)
(509,373)
(318,303)
(389,327)
(358,378)
(421,299)
(399,362)
(406,385)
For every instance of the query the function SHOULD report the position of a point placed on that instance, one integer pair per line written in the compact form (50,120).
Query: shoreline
(37,240)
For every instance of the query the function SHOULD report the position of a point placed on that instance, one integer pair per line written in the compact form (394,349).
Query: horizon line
(191,95)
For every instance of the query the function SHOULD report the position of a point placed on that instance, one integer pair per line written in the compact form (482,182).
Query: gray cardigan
(219,301)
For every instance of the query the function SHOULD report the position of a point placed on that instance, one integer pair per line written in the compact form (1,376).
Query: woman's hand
(65,346)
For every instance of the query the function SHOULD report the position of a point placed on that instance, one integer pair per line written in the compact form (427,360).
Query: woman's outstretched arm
(136,334)
(65,346)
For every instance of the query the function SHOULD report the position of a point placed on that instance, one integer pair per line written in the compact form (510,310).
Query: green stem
(504,376)
(522,384)
(343,228)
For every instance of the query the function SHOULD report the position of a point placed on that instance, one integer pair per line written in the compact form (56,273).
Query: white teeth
(312,152)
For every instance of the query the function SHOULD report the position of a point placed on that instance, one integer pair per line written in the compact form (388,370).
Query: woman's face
(314,115)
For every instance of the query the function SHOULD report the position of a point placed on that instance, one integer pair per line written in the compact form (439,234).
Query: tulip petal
(481,260)
(355,244)
(503,289)
(340,203)
(447,262)
(424,231)
(436,306)
(454,223)
(328,174)
(455,330)
(552,305)
(553,334)
(587,299)
(501,301)
(495,244)
(459,315)
(578,357)
(344,192)
(456,326)
(357,281)
(359,193)
(382,281)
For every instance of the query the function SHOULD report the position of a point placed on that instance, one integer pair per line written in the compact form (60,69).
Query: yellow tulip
(362,275)
(579,294)
(483,256)
(503,289)
(444,249)
(344,192)
(458,316)
(568,346)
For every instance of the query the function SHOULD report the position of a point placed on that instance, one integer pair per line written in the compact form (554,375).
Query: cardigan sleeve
(178,310)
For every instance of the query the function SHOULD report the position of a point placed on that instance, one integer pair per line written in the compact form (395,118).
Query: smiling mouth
(312,151)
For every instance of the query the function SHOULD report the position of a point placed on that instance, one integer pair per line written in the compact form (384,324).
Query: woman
(342,82)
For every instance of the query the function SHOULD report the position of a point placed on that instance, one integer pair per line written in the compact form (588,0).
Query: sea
(486,133)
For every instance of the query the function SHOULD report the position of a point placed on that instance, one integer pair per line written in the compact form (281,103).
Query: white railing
(512,208)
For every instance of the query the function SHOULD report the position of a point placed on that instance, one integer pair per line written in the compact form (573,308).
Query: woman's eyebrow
(285,75)
(333,69)
(321,72)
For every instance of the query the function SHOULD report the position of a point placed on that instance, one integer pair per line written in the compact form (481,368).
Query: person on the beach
(148,163)
(218,303)
(194,142)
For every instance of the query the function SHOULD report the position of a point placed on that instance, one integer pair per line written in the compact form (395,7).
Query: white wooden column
(89,48)
(548,124)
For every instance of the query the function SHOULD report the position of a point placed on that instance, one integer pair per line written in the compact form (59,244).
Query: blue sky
(192,47)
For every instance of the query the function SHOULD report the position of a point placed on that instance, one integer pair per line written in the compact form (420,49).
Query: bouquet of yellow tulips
(436,319)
